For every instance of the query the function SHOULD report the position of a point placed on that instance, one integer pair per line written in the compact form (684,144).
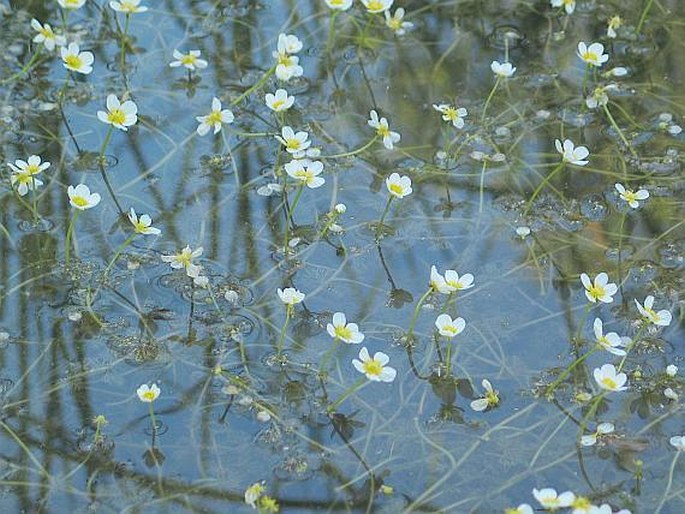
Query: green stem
(581,325)
(281,337)
(67,241)
(256,86)
(327,356)
(154,423)
(482,183)
(567,371)
(379,227)
(644,16)
(586,77)
(487,102)
(350,390)
(352,152)
(448,358)
(541,185)
(593,408)
(415,316)
(123,42)
(26,67)
(108,137)
(331,30)
(669,482)
(620,132)
(121,248)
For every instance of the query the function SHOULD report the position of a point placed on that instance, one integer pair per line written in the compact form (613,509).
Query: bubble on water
(506,36)
(90,161)
(159,427)
(39,226)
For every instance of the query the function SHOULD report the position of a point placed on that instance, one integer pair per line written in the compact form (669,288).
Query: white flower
(190,60)
(280,101)
(502,70)
(383,130)
(120,115)
(448,327)
(71,4)
(287,66)
(375,369)
(396,22)
(630,196)
(523,231)
(570,153)
(31,166)
(295,143)
(593,55)
(340,208)
(306,171)
(215,119)
(607,378)
(346,332)
(290,295)
(671,370)
(678,442)
(600,289)
(452,114)
(128,6)
(599,97)
(605,508)
(288,44)
(376,6)
(549,499)
(398,186)
(184,260)
(619,71)
(148,394)
(454,282)
(524,508)
(142,225)
(491,398)
(611,342)
(437,282)
(46,36)
(671,394)
(339,5)
(81,198)
(661,318)
(25,182)
(602,429)
(75,60)
(569,5)
(614,23)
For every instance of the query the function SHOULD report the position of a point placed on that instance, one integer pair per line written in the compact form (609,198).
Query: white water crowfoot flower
(678,442)
(599,97)
(631,197)
(549,499)
(290,296)
(454,115)
(448,327)
(524,508)
(142,224)
(81,198)
(71,4)
(502,70)
(383,130)
(339,5)
(599,290)
(608,379)
(376,6)
(128,6)
(572,154)
(610,342)
(398,186)
(295,143)
(191,60)
(288,44)
(662,318)
(396,22)
(279,101)
(119,115)
(306,171)
(490,400)
(344,331)
(602,429)
(25,182)
(31,166)
(184,260)
(46,36)
(75,60)
(568,5)
(375,369)
(593,55)
(148,393)
(215,119)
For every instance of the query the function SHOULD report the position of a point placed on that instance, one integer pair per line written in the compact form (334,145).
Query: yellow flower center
(188,59)
(630,196)
(32,169)
(590,57)
(79,201)
(305,176)
(396,188)
(24,178)
(373,367)
(116,117)
(73,61)
(149,395)
(581,503)
(128,6)
(596,292)
(293,144)
(71,3)
(451,113)
(343,333)
(492,398)
(609,382)
(47,33)
(374,5)
(184,258)
(284,59)
(383,131)
(395,23)
(277,104)
(139,227)
(451,329)
(214,118)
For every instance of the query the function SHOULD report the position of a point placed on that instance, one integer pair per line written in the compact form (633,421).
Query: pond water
(261,396)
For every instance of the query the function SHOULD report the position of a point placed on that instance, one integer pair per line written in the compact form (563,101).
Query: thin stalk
(281,337)
(415,316)
(350,390)
(581,325)
(352,152)
(121,248)
(643,18)
(123,42)
(385,213)
(541,185)
(567,371)
(482,183)
(620,132)
(669,483)
(25,68)
(67,241)
(256,86)
(154,423)
(327,356)
(331,30)
(487,102)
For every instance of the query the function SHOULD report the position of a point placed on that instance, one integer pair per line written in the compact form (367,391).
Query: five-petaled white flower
(31,166)
(609,379)
(119,115)
(148,393)
(490,400)
(295,142)
(71,4)
(602,429)
(453,282)
(568,5)
(593,55)
(611,342)
(215,119)
(191,60)
(46,36)
(339,5)
(630,196)
(81,198)
(290,296)
(398,186)
(375,369)
(184,260)
(306,171)
(600,289)
(383,130)
(280,101)
(344,331)
(661,318)
(448,327)
(376,6)
(75,60)
(503,70)
(454,115)
(549,498)
(142,224)
(396,22)
(25,182)
(128,6)
(572,154)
